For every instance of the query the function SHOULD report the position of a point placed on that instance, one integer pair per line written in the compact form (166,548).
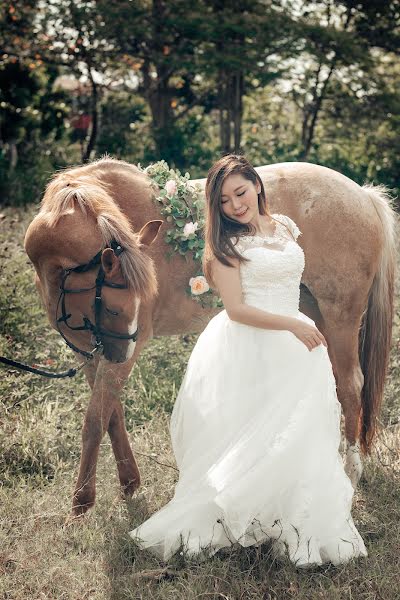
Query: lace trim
(280,231)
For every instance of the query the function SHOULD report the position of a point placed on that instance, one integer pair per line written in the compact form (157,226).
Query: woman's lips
(242,214)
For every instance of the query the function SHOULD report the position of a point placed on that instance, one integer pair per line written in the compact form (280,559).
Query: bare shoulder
(217,267)
(227,282)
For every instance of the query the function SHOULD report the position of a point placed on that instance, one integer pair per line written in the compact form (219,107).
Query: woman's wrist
(290,323)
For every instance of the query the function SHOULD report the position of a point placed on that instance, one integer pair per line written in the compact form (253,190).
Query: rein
(49,374)
(95,328)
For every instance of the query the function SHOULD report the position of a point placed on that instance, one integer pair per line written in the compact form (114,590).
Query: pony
(108,282)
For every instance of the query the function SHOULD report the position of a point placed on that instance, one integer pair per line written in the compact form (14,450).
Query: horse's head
(99,302)
(119,291)
(118,310)
(82,242)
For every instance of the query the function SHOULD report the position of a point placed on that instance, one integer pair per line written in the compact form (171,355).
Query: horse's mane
(81,188)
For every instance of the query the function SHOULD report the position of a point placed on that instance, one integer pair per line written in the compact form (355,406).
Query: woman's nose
(237,203)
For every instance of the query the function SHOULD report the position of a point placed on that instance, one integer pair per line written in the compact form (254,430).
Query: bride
(256,424)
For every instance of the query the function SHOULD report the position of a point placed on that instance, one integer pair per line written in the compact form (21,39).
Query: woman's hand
(308,334)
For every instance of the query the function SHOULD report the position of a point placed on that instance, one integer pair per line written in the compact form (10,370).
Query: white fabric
(256,429)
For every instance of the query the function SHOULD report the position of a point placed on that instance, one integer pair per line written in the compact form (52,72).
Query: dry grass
(43,557)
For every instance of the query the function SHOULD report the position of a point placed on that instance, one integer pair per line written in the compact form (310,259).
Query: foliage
(378,22)
(28,102)
(181,203)
(32,127)
(26,182)
(121,115)
(314,80)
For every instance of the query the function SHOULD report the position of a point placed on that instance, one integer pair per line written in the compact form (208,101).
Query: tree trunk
(158,95)
(157,91)
(224,121)
(230,91)
(13,153)
(238,110)
(94,114)
(311,114)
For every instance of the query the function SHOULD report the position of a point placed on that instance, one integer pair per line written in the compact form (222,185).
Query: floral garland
(181,203)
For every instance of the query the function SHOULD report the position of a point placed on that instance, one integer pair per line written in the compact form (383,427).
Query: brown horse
(103,217)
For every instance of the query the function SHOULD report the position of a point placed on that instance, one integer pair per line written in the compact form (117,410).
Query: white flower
(190,228)
(171,187)
(198,285)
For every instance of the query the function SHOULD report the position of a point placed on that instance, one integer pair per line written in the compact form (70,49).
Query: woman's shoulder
(289,223)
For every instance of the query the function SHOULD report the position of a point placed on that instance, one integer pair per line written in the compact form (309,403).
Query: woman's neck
(264,225)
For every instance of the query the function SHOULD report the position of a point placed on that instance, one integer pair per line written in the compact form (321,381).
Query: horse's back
(313,192)
(329,208)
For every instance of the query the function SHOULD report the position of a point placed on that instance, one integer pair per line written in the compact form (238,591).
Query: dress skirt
(255,431)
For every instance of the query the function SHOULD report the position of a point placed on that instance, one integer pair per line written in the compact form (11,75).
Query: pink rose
(171,187)
(198,285)
(190,228)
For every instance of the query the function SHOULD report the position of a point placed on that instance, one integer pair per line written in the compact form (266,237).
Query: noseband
(97,331)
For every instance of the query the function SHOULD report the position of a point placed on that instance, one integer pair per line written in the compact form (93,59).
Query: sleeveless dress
(256,430)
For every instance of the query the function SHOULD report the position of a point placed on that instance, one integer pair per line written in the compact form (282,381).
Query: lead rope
(70,373)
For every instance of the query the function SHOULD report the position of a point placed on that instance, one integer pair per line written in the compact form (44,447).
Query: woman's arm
(227,280)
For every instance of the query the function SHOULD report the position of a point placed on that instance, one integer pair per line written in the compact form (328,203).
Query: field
(42,556)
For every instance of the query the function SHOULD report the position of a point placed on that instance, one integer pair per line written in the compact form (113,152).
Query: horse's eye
(114,313)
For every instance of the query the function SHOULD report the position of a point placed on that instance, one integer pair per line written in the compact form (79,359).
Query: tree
(330,49)
(70,36)
(377,22)
(203,53)
(245,50)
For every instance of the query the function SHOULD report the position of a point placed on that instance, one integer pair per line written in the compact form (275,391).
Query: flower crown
(181,203)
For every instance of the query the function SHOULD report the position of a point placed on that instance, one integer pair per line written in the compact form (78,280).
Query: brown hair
(218,227)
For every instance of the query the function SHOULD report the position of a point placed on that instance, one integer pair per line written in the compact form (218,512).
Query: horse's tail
(376,328)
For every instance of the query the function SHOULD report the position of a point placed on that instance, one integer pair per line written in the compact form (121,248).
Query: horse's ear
(148,233)
(110,262)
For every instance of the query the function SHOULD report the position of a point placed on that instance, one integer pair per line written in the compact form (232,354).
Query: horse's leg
(109,381)
(128,471)
(342,338)
(90,370)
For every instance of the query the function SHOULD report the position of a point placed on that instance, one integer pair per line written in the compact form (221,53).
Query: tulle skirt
(255,431)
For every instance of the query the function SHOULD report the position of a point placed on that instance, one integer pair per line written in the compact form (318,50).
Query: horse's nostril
(114,354)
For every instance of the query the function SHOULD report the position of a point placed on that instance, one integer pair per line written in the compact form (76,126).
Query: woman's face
(239,198)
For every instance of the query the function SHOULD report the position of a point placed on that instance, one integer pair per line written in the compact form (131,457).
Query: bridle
(97,331)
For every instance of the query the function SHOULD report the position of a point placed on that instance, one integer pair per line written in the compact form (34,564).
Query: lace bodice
(271,278)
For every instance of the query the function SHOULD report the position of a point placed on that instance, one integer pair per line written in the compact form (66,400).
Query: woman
(256,425)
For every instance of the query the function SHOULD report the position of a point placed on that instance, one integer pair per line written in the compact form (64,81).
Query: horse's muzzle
(118,352)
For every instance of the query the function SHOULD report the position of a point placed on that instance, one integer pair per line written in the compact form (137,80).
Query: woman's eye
(242,193)
(114,313)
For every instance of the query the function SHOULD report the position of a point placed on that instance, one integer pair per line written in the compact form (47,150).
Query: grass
(42,557)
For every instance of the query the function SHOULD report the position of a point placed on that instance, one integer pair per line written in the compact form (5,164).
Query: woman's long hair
(218,227)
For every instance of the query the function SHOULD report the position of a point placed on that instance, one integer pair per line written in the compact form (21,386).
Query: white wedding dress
(256,429)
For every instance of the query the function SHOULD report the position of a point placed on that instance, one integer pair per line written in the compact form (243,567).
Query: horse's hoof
(80,506)
(353,466)
(73,519)
(128,489)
